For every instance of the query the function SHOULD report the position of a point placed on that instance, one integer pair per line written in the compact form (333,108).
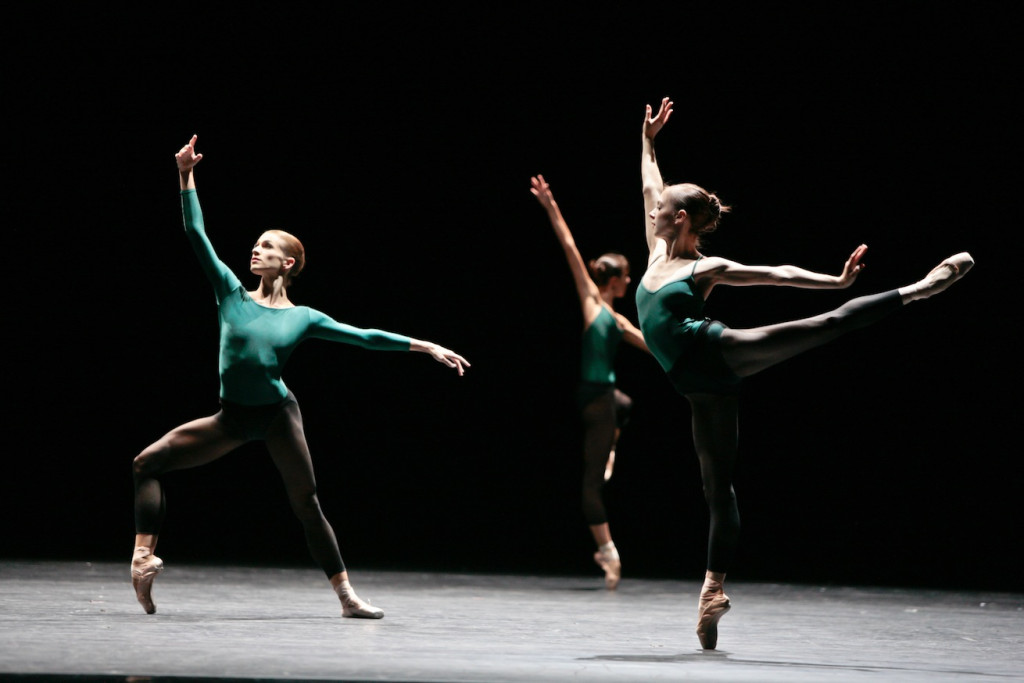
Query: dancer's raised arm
(186,159)
(590,295)
(649,171)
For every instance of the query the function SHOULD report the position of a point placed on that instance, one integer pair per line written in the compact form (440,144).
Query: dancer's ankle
(713,580)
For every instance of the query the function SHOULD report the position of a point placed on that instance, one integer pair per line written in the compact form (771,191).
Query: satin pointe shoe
(946,273)
(607,558)
(353,606)
(145,567)
(713,605)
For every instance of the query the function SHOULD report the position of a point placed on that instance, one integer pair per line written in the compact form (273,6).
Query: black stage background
(399,147)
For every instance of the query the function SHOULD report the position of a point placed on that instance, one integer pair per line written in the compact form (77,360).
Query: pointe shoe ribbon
(353,606)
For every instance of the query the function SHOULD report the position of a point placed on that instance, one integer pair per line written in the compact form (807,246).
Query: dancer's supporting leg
(286,442)
(192,444)
(716,440)
(598,437)
(715,430)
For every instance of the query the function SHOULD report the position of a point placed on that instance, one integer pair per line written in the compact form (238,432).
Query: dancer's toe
(712,607)
(607,558)
(145,567)
(940,278)
(353,606)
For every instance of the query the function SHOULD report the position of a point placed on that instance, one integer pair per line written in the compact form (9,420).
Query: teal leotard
(683,341)
(600,341)
(256,341)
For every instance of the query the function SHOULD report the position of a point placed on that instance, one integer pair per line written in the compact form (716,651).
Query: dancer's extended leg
(623,408)
(286,441)
(598,439)
(751,350)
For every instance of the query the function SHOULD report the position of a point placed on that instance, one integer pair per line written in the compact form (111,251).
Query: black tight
(752,350)
(602,417)
(208,438)
(716,417)
(716,439)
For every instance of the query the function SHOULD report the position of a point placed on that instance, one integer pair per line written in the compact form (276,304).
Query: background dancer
(604,409)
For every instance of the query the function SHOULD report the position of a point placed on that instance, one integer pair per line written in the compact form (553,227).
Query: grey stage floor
(80,622)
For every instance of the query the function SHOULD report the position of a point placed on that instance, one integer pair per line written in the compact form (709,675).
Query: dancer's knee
(147,463)
(719,497)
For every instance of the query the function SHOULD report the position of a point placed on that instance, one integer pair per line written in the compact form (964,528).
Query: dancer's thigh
(189,445)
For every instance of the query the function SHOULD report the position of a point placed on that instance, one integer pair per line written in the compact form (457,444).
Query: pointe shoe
(610,465)
(145,567)
(946,273)
(607,558)
(714,603)
(353,606)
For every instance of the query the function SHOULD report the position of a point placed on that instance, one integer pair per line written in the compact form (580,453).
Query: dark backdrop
(399,147)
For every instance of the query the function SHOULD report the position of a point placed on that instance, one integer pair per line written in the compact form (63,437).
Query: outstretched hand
(187,157)
(653,124)
(542,191)
(446,356)
(853,266)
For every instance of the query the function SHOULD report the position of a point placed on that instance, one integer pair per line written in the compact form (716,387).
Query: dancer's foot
(353,606)
(145,567)
(609,465)
(940,278)
(713,604)
(607,557)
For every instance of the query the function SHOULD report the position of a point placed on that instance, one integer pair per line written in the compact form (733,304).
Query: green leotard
(256,341)
(600,341)
(682,340)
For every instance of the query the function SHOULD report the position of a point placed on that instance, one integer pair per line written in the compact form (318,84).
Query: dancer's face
(268,256)
(663,215)
(619,284)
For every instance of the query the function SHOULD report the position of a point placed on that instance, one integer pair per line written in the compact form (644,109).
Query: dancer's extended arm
(649,171)
(590,295)
(715,270)
(631,333)
(221,277)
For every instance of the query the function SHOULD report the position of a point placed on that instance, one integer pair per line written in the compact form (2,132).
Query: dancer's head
(278,253)
(610,271)
(688,201)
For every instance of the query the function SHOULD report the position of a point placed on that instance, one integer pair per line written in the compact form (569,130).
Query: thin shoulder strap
(694,269)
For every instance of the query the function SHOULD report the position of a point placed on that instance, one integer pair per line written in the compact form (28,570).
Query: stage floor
(79,621)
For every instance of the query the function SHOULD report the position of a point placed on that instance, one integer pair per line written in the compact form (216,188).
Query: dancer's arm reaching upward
(590,295)
(649,171)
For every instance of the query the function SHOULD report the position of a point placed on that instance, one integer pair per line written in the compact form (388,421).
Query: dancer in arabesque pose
(705,360)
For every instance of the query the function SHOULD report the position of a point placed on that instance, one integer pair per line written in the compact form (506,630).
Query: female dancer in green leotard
(706,360)
(259,331)
(604,408)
